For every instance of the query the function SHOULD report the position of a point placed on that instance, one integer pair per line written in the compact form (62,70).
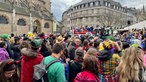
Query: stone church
(23,16)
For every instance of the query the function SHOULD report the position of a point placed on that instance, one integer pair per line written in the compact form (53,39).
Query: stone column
(13,21)
(30,22)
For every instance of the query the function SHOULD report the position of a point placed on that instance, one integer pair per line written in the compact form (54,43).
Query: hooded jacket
(29,59)
(86,76)
(3,54)
(16,51)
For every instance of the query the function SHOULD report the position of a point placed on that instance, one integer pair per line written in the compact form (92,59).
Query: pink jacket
(86,76)
(144,61)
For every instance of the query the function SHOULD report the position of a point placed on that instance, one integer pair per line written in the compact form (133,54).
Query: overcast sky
(59,6)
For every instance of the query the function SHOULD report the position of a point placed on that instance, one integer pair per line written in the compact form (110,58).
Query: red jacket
(86,76)
(29,59)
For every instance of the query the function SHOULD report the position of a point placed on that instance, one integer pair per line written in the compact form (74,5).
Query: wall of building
(23,29)
(48,30)
(99,13)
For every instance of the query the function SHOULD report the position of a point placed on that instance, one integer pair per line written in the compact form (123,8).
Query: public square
(72,41)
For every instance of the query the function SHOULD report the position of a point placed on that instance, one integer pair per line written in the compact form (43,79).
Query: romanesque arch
(46,25)
(21,22)
(4,19)
(37,26)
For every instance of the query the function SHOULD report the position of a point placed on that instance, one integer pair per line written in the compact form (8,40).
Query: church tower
(48,5)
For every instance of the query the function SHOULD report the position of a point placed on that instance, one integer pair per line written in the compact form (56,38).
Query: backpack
(40,71)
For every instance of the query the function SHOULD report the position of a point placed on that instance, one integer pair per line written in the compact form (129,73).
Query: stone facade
(22,16)
(97,13)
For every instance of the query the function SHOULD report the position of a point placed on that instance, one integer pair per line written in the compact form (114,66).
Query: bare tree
(108,19)
(137,15)
(28,5)
(143,13)
(140,14)
(13,24)
(143,16)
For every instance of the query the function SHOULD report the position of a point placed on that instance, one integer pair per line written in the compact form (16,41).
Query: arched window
(105,3)
(114,7)
(88,4)
(99,3)
(46,25)
(94,4)
(77,7)
(3,19)
(109,4)
(80,6)
(84,5)
(21,22)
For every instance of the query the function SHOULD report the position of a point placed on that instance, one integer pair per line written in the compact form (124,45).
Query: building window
(88,4)
(80,6)
(21,22)
(84,5)
(114,7)
(46,25)
(77,7)
(93,3)
(117,7)
(96,3)
(106,4)
(99,3)
(74,8)
(109,4)
(3,20)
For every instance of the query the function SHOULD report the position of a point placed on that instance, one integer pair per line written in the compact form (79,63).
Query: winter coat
(29,59)
(45,52)
(11,54)
(74,69)
(16,51)
(86,76)
(3,54)
(72,52)
(144,61)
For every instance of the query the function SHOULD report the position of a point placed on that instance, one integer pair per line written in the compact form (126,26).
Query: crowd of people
(84,58)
